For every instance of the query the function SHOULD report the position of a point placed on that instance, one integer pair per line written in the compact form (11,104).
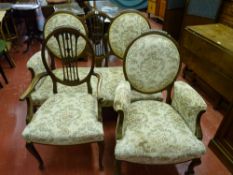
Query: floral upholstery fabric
(152,62)
(45,90)
(188,103)
(110,80)
(154,133)
(35,63)
(124,29)
(66,119)
(111,77)
(122,96)
(62,20)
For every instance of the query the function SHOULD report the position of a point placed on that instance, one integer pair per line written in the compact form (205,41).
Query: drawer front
(207,72)
(219,58)
(151,7)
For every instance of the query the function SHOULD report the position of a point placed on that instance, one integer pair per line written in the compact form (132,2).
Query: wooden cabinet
(222,143)
(157,8)
(208,51)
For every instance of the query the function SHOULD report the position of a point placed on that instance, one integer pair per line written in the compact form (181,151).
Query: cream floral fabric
(111,77)
(188,103)
(124,29)
(152,63)
(35,63)
(66,119)
(45,89)
(154,133)
(62,20)
(122,96)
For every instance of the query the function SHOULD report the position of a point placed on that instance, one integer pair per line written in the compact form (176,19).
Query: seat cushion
(154,133)
(111,76)
(66,119)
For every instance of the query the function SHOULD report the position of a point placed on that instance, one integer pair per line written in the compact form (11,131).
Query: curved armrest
(32,85)
(190,105)
(122,96)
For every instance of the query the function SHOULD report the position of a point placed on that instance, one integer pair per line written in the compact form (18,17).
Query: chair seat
(154,133)
(66,119)
(111,76)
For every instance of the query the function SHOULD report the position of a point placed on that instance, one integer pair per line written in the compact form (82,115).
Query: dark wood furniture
(208,51)
(222,143)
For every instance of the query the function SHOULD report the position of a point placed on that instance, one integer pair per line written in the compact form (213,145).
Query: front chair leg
(117,170)
(190,170)
(101,154)
(30,147)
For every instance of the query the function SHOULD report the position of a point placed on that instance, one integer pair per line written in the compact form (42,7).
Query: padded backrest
(124,29)
(151,62)
(204,8)
(61,19)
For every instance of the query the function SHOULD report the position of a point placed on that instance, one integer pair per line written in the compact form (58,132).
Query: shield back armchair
(154,132)
(73,117)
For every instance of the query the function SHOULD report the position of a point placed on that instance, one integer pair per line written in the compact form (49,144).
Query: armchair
(154,132)
(66,118)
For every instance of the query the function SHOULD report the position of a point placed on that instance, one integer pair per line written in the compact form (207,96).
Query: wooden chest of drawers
(157,8)
(208,51)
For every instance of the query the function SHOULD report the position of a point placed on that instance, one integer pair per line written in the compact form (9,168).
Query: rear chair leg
(190,170)
(30,147)
(117,170)
(101,153)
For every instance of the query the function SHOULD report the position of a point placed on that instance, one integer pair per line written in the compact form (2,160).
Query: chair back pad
(151,62)
(61,19)
(124,29)
(72,45)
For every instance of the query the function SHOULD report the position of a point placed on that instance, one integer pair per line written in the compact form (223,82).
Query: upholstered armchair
(155,132)
(72,117)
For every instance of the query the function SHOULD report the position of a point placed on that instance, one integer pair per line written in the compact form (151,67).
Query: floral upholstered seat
(155,132)
(66,119)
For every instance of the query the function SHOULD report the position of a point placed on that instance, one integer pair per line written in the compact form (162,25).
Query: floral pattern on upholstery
(66,119)
(41,94)
(61,20)
(154,133)
(122,96)
(188,103)
(152,62)
(35,63)
(124,29)
(111,77)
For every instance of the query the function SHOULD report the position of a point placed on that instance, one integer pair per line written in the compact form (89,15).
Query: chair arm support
(32,85)
(122,96)
(190,105)
(99,78)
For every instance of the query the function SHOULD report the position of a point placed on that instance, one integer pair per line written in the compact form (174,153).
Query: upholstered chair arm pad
(32,85)
(189,104)
(122,96)
(35,64)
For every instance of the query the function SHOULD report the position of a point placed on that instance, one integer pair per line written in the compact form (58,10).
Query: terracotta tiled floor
(81,159)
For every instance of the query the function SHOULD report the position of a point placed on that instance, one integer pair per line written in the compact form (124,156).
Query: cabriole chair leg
(30,147)
(101,154)
(190,170)
(117,170)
